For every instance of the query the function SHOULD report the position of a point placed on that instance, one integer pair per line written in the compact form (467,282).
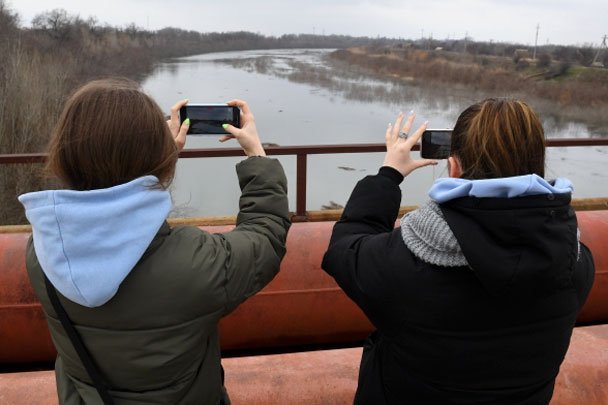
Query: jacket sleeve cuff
(391,173)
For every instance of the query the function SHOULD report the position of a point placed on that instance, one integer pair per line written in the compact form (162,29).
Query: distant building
(521,54)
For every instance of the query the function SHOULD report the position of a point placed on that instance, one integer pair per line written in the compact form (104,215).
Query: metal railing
(301,153)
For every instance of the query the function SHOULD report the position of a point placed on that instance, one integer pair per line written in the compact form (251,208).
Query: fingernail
(224,126)
(400,112)
(187,100)
(426,122)
(187,121)
(411,112)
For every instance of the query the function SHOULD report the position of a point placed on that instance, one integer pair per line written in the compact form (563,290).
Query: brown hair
(110,133)
(499,138)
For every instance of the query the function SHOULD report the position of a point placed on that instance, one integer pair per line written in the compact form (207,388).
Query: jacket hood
(518,234)
(87,242)
(449,188)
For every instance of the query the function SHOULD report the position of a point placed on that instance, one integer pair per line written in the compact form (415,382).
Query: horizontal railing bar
(299,150)
(23,158)
(560,142)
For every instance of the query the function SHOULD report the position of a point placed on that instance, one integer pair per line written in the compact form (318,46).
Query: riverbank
(557,89)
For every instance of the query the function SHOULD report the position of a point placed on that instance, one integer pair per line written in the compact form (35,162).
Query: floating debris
(346,168)
(269,144)
(332,206)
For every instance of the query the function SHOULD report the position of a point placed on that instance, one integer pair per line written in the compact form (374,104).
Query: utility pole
(536,42)
(600,49)
(466,35)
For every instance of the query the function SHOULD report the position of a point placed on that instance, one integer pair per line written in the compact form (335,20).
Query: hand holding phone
(247,135)
(208,119)
(398,147)
(178,128)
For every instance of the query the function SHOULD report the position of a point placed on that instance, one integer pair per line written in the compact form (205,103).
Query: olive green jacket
(156,341)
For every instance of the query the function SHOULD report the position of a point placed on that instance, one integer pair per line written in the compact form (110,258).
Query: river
(298,98)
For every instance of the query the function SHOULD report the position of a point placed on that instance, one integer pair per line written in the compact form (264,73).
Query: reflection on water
(301,97)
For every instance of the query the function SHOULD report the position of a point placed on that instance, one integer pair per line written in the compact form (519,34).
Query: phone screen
(436,144)
(207,119)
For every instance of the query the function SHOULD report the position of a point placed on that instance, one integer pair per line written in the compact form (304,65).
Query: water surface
(300,98)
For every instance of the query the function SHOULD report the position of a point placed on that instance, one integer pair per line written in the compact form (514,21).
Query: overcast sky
(561,21)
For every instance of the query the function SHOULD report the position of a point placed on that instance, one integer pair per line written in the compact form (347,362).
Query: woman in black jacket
(475,295)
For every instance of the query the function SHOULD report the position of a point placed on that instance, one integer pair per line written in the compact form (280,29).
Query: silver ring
(403,135)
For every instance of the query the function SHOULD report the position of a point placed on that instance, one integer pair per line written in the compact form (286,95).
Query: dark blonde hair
(110,133)
(499,138)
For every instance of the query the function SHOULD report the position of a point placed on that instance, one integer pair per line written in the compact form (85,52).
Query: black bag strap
(82,351)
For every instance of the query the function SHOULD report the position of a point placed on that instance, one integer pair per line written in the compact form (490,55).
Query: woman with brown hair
(475,295)
(135,319)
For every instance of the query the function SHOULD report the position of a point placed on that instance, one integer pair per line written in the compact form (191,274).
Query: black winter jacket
(493,332)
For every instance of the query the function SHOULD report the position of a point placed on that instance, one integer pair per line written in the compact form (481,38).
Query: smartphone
(436,144)
(207,119)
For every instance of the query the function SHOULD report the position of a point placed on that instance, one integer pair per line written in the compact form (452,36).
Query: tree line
(579,55)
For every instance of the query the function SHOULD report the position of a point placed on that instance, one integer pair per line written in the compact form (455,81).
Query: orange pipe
(24,336)
(594,233)
(301,306)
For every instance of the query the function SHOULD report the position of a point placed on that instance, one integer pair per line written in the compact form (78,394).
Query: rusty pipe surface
(301,306)
(330,377)
(593,226)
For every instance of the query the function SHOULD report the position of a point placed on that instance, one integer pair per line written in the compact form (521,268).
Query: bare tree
(58,23)
(8,19)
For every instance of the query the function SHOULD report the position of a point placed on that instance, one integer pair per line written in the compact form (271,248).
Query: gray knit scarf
(428,236)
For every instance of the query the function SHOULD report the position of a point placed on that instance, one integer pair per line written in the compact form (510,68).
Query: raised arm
(374,203)
(356,256)
(257,245)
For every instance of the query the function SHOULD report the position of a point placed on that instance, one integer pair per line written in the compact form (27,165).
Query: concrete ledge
(36,387)
(330,377)
(583,376)
(322,377)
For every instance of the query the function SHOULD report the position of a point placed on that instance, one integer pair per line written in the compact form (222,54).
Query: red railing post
(301,187)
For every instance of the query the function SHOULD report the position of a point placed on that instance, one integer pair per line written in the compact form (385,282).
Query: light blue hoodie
(449,188)
(87,242)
